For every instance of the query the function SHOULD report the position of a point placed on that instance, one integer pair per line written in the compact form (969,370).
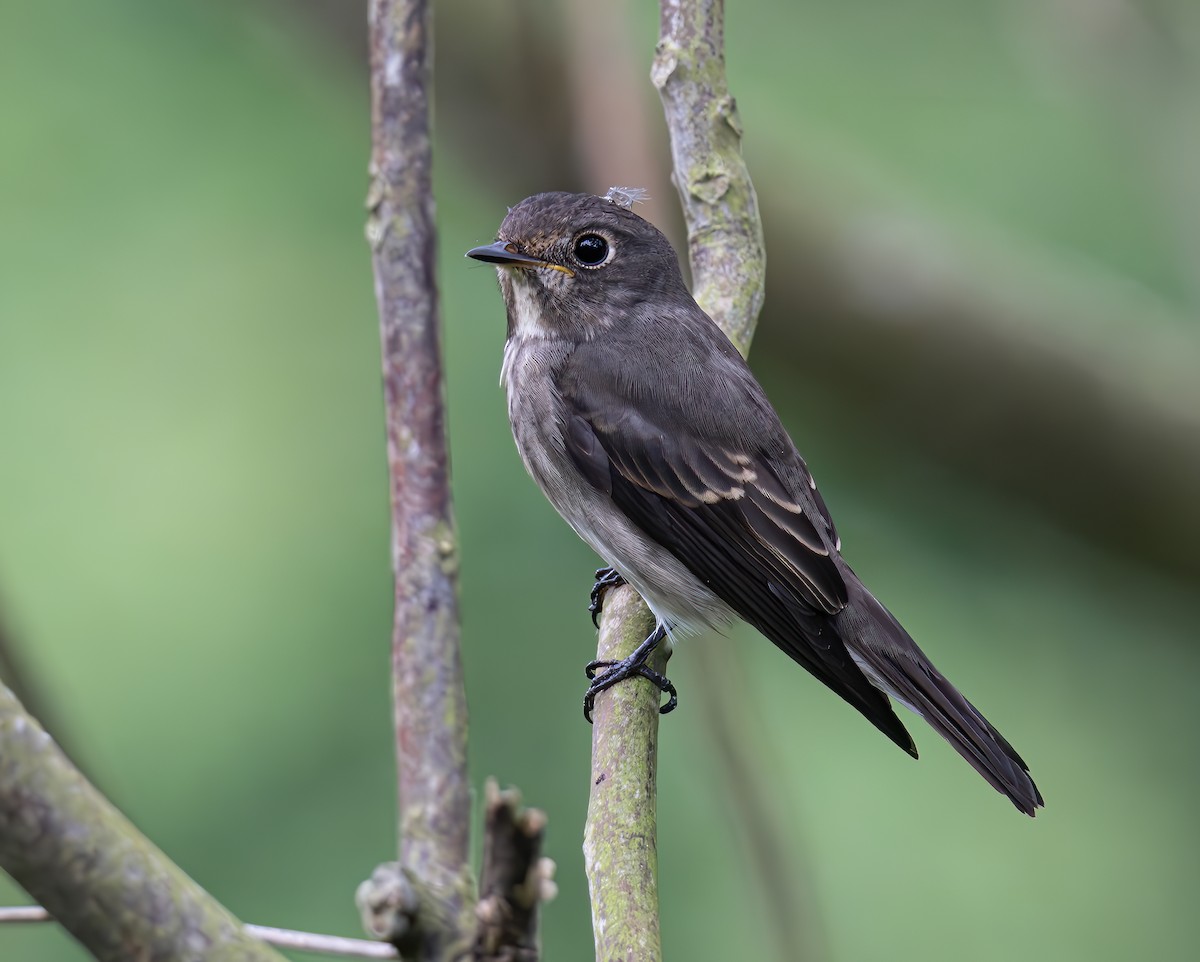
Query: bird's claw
(605,578)
(618,671)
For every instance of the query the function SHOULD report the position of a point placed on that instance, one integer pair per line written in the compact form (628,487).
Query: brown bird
(647,431)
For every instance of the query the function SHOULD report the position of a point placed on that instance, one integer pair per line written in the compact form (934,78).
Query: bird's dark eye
(591,250)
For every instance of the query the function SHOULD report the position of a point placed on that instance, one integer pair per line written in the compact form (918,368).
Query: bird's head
(573,265)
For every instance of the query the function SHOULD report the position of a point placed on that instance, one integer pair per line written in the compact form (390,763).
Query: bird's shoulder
(678,368)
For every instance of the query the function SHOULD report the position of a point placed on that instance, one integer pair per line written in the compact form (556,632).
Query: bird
(646,430)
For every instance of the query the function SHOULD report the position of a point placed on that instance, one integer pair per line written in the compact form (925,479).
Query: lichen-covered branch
(725,237)
(100,878)
(620,845)
(428,692)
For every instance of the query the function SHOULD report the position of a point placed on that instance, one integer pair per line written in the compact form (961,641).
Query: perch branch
(620,844)
(429,908)
(101,879)
(725,237)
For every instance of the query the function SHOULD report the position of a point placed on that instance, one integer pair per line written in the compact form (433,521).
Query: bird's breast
(534,407)
(536,413)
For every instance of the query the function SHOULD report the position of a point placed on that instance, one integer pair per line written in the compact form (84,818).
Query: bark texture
(725,237)
(428,693)
(620,844)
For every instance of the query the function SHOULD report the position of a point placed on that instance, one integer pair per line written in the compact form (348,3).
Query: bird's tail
(893,662)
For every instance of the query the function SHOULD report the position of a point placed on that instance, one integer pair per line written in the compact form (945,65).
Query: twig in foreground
(104,882)
(284,938)
(620,842)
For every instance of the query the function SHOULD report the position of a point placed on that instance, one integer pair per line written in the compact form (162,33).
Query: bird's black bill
(499,253)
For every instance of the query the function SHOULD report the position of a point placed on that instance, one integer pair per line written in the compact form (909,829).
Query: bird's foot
(605,578)
(633,666)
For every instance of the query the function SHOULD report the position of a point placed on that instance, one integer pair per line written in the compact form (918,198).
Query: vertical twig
(725,238)
(620,838)
(429,698)
(726,251)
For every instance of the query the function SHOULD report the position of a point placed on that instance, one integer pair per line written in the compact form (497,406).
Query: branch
(427,688)
(620,847)
(725,238)
(424,903)
(104,882)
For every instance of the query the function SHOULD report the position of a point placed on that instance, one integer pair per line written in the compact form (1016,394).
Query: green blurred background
(194,581)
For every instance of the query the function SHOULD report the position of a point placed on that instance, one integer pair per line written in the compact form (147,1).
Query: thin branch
(725,238)
(425,903)
(428,694)
(310,942)
(620,844)
(101,879)
(317,944)
(24,913)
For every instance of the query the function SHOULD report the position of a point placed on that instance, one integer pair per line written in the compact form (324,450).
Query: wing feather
(729,518)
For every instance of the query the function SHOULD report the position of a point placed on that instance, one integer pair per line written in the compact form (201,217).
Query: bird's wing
(724,509)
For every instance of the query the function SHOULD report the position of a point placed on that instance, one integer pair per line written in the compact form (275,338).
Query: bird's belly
(676,596)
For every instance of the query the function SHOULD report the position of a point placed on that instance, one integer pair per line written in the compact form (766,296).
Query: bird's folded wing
(711,506)
(727,516)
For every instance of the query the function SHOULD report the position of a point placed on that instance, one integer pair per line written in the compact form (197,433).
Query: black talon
(633,666)
(605,578)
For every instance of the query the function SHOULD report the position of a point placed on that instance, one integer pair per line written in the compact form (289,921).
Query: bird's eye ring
(592,250)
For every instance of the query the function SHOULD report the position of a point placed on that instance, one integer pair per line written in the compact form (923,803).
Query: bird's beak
(507,255)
